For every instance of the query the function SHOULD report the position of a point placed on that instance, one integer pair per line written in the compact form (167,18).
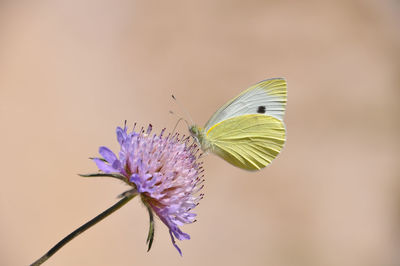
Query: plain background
(71,71)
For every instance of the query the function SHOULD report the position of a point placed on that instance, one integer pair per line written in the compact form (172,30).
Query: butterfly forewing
(267,97)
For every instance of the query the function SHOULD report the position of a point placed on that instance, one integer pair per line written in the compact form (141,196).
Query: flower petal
(107,154)
(103,166)
(135,178)
(173,227)
(173,243)
(179,234)
(117,165)
(121,135)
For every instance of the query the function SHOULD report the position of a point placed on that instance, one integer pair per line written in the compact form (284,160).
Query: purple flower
(163,170)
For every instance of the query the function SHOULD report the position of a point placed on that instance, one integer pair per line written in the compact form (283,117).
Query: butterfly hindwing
(250,141)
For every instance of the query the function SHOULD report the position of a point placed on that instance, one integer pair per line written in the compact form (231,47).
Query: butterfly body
(248,131)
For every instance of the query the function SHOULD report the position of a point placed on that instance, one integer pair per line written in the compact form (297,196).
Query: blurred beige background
(71,71)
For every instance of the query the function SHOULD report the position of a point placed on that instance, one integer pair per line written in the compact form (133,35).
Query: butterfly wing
(267,97)
(250,142)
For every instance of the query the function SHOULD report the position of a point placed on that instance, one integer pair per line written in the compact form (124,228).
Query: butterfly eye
(193,130)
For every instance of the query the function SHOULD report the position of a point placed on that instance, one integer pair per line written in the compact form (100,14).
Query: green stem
(127,197)
(150,236)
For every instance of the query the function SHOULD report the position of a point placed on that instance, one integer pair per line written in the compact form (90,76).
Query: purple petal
(179,234)
(135,178)
(107,154)
(173,242)
(121,135)
(172,226)
(103,166)
(117,165)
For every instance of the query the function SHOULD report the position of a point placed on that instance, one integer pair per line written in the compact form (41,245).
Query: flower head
(163,170)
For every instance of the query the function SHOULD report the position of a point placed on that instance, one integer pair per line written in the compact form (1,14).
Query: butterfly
(247,131)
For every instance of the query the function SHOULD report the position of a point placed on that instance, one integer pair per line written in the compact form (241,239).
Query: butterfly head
(198,134)
(195,131)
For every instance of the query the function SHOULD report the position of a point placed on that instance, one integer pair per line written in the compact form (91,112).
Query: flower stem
(127,197)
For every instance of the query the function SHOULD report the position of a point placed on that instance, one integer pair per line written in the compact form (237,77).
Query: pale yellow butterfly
(248,131)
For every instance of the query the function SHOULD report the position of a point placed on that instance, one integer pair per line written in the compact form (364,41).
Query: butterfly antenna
(183,109)
(177,122)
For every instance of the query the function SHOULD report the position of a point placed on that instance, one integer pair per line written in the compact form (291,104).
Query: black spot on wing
(261,109)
